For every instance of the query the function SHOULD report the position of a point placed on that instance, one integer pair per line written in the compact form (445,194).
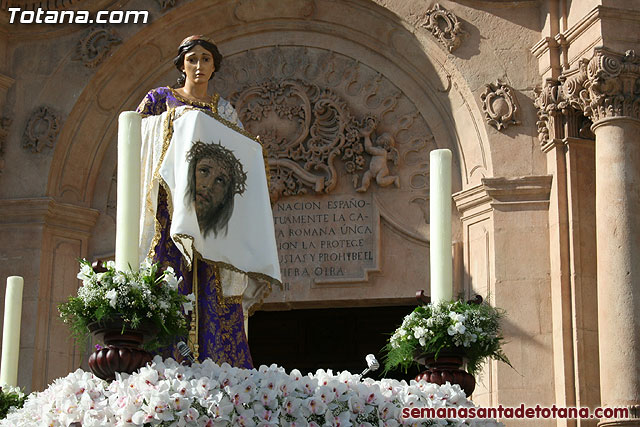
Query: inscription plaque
(330,239)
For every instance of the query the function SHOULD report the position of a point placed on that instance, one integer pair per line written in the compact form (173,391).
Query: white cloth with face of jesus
(218,196)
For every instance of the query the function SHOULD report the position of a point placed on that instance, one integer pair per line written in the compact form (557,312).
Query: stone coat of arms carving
(326,130)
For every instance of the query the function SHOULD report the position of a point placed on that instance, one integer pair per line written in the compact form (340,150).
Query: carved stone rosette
(41,131)
(444,26)
(95,45)
(607,85)
(499,105)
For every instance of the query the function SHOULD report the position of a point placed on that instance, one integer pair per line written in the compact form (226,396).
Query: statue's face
(212,185)
(198,65)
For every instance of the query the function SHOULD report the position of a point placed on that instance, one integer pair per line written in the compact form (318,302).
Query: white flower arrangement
(470,329)
(134,296)
(205,394)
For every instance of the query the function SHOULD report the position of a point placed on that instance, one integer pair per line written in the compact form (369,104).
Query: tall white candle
(11,331)
(128,197)
(440,225)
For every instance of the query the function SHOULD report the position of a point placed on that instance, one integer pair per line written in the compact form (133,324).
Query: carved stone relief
(344,146)
(41,131)
(318,122)
(444,26)
(95,45)
(327,131)
(499,105)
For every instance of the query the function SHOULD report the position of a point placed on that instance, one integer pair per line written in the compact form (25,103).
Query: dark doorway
(336,338)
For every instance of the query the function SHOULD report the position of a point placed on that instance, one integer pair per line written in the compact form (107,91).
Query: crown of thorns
(223,155)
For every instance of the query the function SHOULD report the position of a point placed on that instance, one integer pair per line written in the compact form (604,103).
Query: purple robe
(221,334)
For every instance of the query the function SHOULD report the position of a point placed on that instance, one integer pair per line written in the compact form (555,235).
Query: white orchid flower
(170,278)
(457,317)
(315,405)
(86,273)
(112,296)
(458,328)
(244,417)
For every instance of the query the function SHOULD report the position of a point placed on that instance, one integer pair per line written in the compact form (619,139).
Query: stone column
(568,142)
(618,237)
(608,88)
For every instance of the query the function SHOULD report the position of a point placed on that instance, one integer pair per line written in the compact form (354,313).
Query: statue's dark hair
(186,47)
(219,219)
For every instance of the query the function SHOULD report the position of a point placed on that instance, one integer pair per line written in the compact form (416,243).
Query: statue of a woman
(221,333)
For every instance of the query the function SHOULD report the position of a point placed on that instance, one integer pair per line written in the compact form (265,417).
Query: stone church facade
(539,101)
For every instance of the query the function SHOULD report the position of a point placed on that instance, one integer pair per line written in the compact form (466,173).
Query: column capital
(605,86)
(559,117)
(519,193)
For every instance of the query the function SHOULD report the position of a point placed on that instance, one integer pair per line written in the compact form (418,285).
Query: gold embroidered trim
(166,139)
(213,104)
(252,274)
(258,304)
(167,134)
(179,239)
(156,238)
(195,320)
(222,300)
(158,226)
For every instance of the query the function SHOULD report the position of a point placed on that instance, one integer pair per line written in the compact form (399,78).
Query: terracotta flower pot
(123,350)
(448,367)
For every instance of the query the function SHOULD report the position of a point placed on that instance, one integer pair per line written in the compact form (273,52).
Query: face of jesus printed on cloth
(215,177)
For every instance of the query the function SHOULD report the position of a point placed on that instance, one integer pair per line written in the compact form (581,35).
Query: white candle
(128,196)
(440,225)
(11,331)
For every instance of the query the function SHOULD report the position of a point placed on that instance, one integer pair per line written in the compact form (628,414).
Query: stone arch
(379,39)
(408,60)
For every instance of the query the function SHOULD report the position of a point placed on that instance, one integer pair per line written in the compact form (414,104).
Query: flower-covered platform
(205,394)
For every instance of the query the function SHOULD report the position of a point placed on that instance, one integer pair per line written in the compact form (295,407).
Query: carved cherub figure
(381,151)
